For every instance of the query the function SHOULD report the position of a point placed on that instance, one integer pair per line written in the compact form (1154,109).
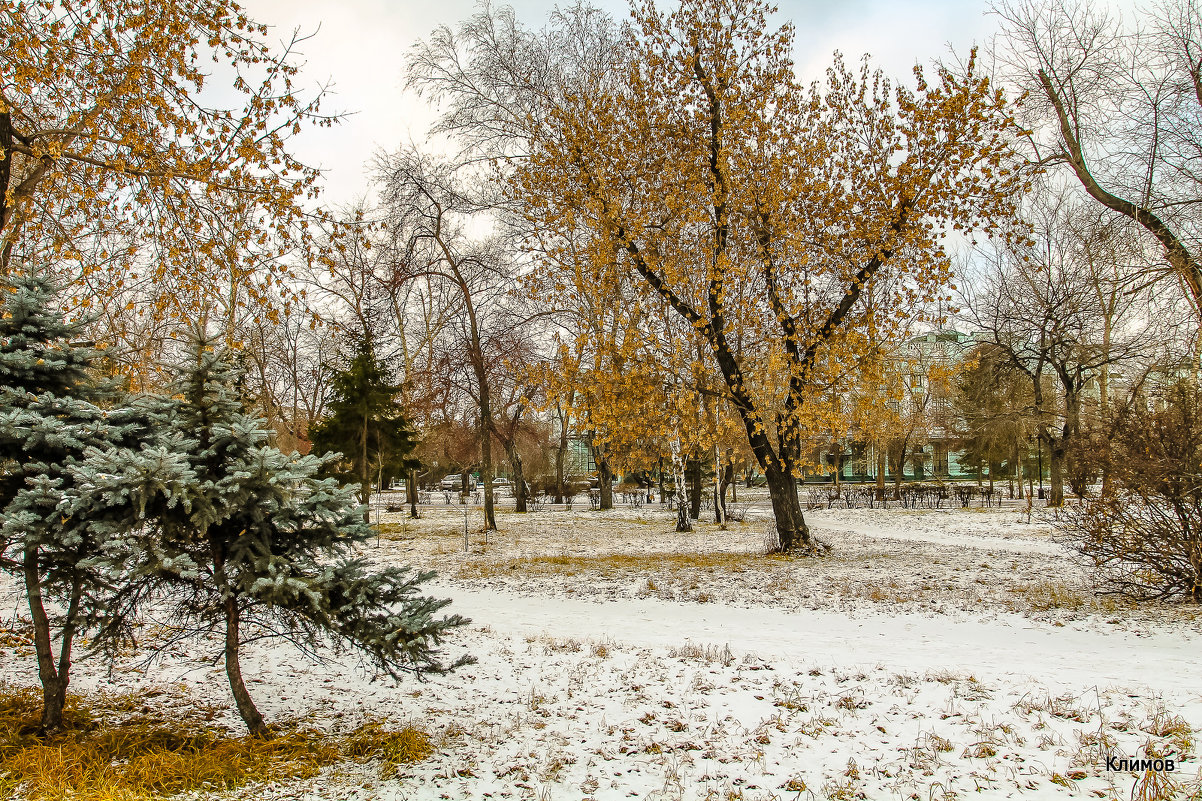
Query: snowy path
(1004,645)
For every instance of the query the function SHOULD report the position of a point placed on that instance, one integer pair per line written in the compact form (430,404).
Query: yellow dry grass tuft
(397,747)
(108,752)
(1174,729)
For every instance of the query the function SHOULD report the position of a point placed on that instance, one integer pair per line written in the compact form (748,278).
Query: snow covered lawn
(936,654)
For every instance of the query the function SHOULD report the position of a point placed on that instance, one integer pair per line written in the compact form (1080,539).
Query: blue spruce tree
(237,539)
(51,412)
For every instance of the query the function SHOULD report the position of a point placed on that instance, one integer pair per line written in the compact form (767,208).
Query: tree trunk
(233,671)
(560,456)
(605,478)
(485,408)
(837,470)
(411,493)
(728,479)
(364,475)
(519,483)
(899,469)
(54,679)
(233,665)
(790,524)
(693,468)
(1018,467)
(880,473)
(684,523)
(1056,457)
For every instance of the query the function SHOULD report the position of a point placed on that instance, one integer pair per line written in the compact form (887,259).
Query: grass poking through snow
(113,748)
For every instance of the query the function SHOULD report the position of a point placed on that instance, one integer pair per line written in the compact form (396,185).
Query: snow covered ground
(935,654)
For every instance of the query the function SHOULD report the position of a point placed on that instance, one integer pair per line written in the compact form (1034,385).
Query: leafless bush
(1145,539)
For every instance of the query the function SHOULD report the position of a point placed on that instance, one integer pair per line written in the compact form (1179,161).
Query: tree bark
(490,520)
(880,473)
(728,477)
(605,479)
(899,468)
(411,492)
(693,469)
(54,679)
(561,454)
(790,524)
(1056,459)
(233,664)
(519,482)
(364,475)
(684,523)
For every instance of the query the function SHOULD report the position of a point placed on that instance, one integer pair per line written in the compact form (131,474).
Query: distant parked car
(451,482)
(499,484)
(397,485)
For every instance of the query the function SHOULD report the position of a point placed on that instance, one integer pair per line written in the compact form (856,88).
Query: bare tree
(1119,105)
(1040,308)
(429,215)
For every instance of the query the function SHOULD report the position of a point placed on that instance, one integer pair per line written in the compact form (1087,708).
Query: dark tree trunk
(233,671)
(790,524)
(560,456)
(411,493)
(233,664)
(519,482)
(1018,468)
(661,480)
(880,473)
(1056,453)
(54,679)
(485,408)
(693,468)
(837,468)
(605,477)
(899,469)
(364,476)
(728,478)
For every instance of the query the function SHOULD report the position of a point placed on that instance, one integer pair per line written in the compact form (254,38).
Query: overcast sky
(359,47)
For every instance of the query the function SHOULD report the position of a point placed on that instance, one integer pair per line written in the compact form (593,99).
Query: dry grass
(703,653)
(620,564)
(110,749)
(1172,728)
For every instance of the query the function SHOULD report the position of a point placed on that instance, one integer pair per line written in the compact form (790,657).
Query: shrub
(1145,539)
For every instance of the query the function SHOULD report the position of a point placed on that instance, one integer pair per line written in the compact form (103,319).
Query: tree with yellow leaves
(169,187)
(761,212)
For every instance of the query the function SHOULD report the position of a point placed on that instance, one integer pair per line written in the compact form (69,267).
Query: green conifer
(51,412)
(241,540)
(366,423)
